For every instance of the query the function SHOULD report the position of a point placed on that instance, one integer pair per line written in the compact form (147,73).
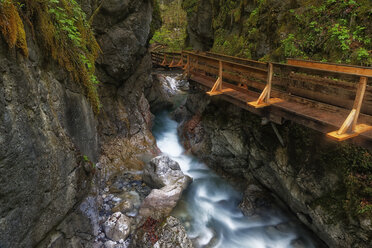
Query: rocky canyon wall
(272,30)
(50,138)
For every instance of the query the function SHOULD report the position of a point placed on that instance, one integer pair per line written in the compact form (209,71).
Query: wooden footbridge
(331,98)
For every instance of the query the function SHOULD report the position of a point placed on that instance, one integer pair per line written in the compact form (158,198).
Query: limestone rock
(110,244)
(117,227)
(173,235)
(160,202)
(166,174)
(163,171)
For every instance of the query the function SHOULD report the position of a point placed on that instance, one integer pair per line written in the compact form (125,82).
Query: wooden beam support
(217,87)
(180,62)
(165,60)
(264,99)
(172,63)
(349,128)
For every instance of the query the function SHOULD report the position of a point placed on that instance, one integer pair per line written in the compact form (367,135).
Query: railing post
(217,87)
(180,63)
(165,59)
(352,119)
(172,62)
(269,82)
(358,100)
(264,99)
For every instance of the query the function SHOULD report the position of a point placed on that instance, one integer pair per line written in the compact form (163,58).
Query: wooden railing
(340,86)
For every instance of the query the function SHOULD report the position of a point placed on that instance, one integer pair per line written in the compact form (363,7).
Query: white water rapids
(209,208)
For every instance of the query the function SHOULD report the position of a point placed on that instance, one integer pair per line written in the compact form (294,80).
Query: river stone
(172,235)
(124,206)
(168,234)
(117,227)
(110,244)
(163,171)
(160,202)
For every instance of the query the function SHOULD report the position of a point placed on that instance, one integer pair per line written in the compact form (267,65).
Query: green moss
(335,31)
(172,33)
(11,26)
(156,18)
(190,6)
(64,32)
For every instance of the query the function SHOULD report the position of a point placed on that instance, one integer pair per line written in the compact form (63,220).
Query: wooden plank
(247,71)
(357,70)
(342,76)
(229,63)
(249,62)
(359,129)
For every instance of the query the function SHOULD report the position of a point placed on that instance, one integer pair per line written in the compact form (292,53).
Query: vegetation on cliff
(332,30)
(352,198)
(172,33)
(63,30)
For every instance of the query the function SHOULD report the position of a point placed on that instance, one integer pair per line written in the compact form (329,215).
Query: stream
(209,207)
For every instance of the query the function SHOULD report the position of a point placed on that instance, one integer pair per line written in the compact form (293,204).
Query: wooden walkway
(333,99)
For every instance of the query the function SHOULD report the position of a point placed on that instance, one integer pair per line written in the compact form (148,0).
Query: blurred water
(209,207)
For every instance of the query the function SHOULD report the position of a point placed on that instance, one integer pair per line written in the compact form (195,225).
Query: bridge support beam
(164,61)
(172,63)
(349,128)
(180,62)
(217,87)
(264,99)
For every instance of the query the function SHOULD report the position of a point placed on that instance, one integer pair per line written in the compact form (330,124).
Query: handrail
(358,70)
(298,78)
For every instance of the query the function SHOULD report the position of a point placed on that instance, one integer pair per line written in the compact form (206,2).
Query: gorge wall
(272,30)
(50,137)
(324,183)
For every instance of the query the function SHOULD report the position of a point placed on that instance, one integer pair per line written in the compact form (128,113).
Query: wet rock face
(199,27)
(47,125)
(235,142)
(122,30)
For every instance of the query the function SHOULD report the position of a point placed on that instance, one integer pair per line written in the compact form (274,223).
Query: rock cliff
(337,31)
(50,138)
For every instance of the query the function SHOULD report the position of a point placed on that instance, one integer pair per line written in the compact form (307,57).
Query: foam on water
(209,207)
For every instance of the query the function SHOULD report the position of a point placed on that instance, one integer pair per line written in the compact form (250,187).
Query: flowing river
(209,207)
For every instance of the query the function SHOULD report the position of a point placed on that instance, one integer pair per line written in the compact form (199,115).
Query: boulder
(163,171)
(117,227)
(160,202)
